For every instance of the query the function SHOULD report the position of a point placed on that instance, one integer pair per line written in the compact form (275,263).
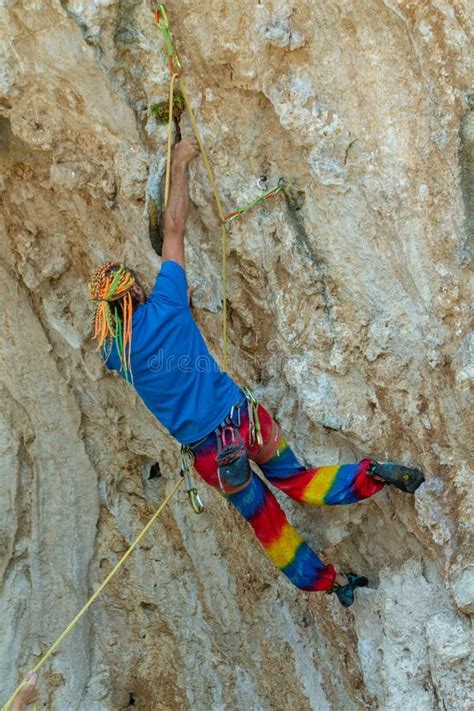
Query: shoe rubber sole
(345,593)
(406,479)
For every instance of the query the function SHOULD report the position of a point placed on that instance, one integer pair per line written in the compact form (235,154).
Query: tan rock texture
(349,309)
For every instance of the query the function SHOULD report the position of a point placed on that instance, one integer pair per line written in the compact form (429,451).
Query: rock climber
(154,343)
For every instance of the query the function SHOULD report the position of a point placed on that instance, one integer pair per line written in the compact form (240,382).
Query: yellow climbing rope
(97,592)
(170,139)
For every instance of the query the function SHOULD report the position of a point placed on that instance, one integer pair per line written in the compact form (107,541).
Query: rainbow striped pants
(328,485)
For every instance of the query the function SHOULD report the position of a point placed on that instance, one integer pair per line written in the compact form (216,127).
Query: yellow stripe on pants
(320,484)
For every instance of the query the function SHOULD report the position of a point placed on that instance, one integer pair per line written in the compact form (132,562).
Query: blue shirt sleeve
(171,285)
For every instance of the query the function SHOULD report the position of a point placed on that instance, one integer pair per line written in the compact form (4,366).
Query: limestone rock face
(348,315)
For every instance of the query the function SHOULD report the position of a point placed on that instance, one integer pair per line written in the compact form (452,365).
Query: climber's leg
(338,484)
(282,543)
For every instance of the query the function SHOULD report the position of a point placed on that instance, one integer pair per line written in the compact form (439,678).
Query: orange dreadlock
(111,283)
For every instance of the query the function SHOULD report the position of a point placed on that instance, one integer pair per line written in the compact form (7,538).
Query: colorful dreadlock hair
(111,283)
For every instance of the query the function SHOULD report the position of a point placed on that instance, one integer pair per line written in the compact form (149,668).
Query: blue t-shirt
(173,371)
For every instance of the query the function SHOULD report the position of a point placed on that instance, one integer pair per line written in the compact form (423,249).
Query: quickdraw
(192,492)
(162,22)
(255,433)
(281,185)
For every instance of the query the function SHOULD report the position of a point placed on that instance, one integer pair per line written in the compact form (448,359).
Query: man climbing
(154,343)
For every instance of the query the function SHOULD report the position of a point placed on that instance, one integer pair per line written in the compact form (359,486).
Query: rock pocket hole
(148,606)
(155,471)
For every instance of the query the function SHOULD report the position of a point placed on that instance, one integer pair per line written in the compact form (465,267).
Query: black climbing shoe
(345,593)
(404,478)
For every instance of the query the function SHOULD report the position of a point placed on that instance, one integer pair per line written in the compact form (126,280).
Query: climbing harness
(176,73)
(233,467)
(192,492)
(97,592)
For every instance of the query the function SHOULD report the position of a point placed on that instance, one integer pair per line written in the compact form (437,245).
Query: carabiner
(254,420)
(159,11)
(195,499)
(230,429)
(178,69)
(233,410)
(192,492)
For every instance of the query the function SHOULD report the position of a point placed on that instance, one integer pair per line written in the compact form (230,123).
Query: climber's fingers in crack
(186,150)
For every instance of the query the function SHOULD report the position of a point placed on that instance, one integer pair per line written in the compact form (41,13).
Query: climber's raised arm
(176,212)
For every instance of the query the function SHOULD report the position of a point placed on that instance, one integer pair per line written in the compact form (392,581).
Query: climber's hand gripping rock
(184,152)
